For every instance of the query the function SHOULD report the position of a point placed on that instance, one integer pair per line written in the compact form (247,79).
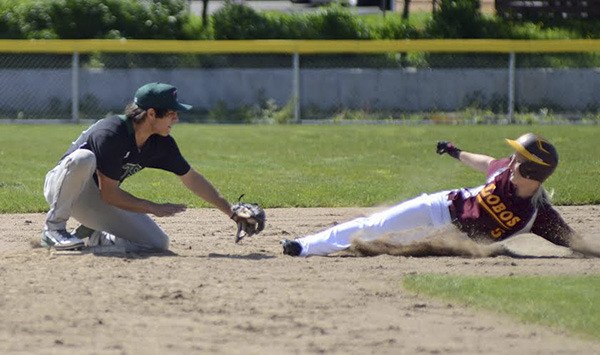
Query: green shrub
(75,19)
(82,19)
(33,19)
(194,28)
(9,20)
(170,19)
(293,26)
(395,28)
(336,22)
(457,19)
(164,19)
(236,21)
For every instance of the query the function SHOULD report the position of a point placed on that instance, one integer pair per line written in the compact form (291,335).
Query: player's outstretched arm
(200,186)
(476,161)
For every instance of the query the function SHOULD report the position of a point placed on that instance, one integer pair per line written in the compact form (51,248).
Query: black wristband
(454,152)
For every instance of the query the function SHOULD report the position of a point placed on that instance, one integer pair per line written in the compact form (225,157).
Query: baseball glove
(250,219)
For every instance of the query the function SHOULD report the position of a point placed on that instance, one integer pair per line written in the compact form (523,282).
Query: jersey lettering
(497,209)
(497,233)
(129,169)
(513,221)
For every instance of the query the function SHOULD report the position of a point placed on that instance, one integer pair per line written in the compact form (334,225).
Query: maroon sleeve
(550,226)
(496,165)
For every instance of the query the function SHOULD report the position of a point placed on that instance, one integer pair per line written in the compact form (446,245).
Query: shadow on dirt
(251,256)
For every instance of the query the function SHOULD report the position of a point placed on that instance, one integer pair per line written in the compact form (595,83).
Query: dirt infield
(212,296)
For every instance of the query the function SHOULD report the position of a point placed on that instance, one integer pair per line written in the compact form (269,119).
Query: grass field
(306,166)
(557,301)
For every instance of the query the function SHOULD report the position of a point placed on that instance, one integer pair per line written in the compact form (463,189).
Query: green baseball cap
(159,96)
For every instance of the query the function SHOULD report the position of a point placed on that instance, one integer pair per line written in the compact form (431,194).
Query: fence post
(511,87)
(75,88)
(296,86)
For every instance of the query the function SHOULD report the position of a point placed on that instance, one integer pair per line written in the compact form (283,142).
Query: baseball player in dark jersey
(86,182)
(511,201)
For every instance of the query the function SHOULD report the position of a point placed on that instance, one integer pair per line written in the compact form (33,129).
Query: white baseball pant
(412,220)
(71,192)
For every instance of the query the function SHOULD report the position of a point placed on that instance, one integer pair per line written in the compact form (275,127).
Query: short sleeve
(496,165)
(170,157)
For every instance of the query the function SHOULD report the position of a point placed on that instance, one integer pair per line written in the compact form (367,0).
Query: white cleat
(60,240)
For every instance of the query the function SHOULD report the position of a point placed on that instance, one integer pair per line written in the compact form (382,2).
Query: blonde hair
(541,197)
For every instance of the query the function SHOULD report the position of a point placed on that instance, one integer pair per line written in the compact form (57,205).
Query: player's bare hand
(168,209)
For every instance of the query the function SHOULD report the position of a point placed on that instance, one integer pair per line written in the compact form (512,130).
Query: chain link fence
(412,85)
(42,95)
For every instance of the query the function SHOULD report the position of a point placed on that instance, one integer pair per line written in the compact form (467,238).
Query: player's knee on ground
(159,243)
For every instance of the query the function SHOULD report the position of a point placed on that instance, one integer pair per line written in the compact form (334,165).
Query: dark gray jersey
(112,140)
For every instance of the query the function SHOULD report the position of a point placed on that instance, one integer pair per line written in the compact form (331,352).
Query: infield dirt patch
(212,296)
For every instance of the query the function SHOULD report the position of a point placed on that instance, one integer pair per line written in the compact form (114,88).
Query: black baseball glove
(250,219)
(448,148)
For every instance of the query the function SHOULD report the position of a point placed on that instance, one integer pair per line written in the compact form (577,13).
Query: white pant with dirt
(411,220)
(71,192)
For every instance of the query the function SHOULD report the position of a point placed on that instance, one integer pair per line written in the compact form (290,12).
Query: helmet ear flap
(534,171)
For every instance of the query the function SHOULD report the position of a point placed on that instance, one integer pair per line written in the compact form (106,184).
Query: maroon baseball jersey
(493,211)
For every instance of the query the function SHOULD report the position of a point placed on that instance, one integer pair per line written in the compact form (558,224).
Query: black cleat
(291,247)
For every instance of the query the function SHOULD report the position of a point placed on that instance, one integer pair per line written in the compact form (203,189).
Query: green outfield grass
(564,302)
(306,166)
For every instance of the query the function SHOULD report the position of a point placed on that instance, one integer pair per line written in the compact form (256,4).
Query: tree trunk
(205,13)
(406,9)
